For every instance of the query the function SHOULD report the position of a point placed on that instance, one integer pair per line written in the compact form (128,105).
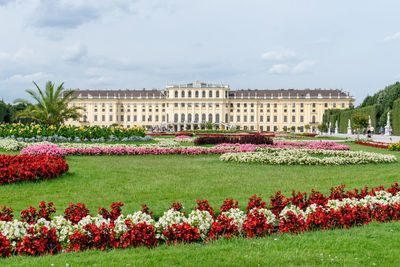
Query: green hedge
(343,116)
(395,117)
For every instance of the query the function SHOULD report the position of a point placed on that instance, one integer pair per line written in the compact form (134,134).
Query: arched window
(203,93)
(176,119)
(203,117)
(313,119)
(217,94)
(183,93)
(226,118)
(210,94)
(190,94)
(182,117)
(176,94)
(84,118)
(196,94)
(189,117)
(210,117)
(196,117)
(217,118)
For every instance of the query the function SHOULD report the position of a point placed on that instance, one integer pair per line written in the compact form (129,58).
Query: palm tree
(51,107)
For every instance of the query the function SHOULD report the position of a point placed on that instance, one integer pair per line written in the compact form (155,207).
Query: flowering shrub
(67,131)
(184,139)
(51,149)
(327,145)
(6,214)
(75,213)
(181,233)
(37,233)
(204,206)
(394,147)
(14,168)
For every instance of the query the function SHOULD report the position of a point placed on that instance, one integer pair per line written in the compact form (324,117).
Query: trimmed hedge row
(248,139)
(395,115)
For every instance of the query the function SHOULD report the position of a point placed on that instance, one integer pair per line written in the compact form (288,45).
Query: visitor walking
(381,130)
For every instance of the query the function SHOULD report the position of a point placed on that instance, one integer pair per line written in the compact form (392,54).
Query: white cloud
(98,81)
(76,53)
(278,55)
(392,37)
(304,66)
(22,54)
(279,69)
(28,77)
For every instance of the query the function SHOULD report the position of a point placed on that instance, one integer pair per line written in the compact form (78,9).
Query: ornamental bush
(19,130)
(246,139)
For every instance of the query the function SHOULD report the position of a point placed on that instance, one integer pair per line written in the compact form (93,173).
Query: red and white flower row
(39,233)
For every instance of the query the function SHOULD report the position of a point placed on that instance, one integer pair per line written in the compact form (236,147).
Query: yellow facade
(190,106)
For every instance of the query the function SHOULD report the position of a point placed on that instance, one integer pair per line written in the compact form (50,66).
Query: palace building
(192,105)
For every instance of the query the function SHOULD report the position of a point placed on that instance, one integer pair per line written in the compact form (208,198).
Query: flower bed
(373,144)
(394,147)
(247,139)
(277,156)
(306,145)
(14,168)
(38,232)
(85,133)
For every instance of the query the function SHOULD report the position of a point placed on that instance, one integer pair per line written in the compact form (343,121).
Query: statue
(349,127)
(388,129)
(369,121)
(336,127)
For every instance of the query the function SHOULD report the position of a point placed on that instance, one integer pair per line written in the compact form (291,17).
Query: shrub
(181,233)
(247,139)
(75,213)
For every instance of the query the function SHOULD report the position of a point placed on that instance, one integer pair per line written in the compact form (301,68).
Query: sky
(257,44)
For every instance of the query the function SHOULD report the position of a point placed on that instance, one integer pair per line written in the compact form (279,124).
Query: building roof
(119,94)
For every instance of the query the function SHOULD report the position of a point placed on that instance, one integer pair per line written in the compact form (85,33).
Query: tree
(323,127)
(307,127)
(293,128)
(209,125)
(359,122)
(52,105)
(299,128)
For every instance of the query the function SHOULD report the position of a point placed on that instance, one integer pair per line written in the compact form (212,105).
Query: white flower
(202,220)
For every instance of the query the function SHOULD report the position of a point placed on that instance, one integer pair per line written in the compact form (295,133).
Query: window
(189,105)
(182,117)
(342,105)
(111,117)
(301,105)
(134,118)
(275,105)
(245,110)
(251,127)
(122,110)
(293,118)
(231,118)
(189,117)
(156,117)
(95,117)
(203,94)
(203,105)
(217,118)
(313,105)
(285,118)
(275,118)
(196,94)
(128,118)
(301,118)
(268,128)
(252,118)
(176,117)
(268,119)
(176,105)
(176,94)
(238,118)
(313,119)
(326,105)
(163,105)
(245,118)
(261,105)
(217,105)
(238,110)
(252,105)
(122,117)
(103,110)
(143,118)
(163,118)
(182,104)
(210,105)
(203,117)
(182,93)
(245,105)
(210,117)
(190,94)
(103,117)
(285,105)
(149,118)
(268,105)
(210,94)
(217,94)
(252,110)
(293,105)
(301,110)
(261,118)
(196,117)
(238,105)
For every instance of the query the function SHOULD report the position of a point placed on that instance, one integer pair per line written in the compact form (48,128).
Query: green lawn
(159,181)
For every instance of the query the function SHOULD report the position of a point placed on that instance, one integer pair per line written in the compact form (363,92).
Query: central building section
(194,104)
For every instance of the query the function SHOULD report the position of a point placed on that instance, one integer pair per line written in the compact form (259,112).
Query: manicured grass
(371,245)
(161,180)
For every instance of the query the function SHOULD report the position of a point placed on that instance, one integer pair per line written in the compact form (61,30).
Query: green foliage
(94,132)
(359,121)
(323,127)
(209,125)
(395,117)
(51,107)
